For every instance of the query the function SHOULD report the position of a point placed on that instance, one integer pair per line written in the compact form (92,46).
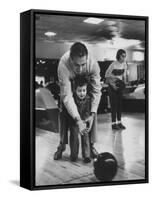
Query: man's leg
(92,138)
(85,144)
(64,123)
(74,143)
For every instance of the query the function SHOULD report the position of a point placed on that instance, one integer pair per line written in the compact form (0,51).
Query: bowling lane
(127,146)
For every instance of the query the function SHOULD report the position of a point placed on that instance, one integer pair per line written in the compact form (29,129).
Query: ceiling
(72,28)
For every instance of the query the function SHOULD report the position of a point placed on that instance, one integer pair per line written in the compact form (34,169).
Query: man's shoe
(94,152)
(58,153)
(115,127)
(121,126)
(87,160)
(73,159)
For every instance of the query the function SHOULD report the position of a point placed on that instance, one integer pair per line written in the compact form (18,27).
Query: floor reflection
(128,146)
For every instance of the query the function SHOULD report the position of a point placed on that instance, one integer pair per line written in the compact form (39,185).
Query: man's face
(122,58)
(79,64)
(81,92)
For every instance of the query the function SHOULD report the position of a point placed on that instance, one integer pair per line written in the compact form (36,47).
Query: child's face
(81,91)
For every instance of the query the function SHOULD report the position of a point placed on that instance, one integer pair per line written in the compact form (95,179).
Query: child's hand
(89,122)
(85,131)
(81,126)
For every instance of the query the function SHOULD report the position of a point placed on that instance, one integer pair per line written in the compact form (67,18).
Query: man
(74,62)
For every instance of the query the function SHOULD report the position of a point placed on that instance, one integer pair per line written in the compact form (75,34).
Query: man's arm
(66,93)
(95,94)
(67,96)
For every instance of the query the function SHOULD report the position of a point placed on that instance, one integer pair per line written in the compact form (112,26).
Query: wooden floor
(128,146)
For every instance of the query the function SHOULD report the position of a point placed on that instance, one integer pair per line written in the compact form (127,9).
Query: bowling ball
(105,166)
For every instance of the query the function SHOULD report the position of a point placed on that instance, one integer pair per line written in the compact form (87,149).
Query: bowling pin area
(128,147)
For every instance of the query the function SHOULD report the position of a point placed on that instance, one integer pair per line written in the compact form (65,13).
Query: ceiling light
(92,20)
(49,33)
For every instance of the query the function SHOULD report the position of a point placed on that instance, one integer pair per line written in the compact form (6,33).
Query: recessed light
(92,20)
(49,33)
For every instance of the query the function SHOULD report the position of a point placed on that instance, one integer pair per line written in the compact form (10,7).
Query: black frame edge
(76,13)
(25,103)
(147,99)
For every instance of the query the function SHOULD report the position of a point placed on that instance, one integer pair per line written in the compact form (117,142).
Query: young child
(83,102)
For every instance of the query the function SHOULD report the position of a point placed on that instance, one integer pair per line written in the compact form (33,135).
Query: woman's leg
(119,106)
(113,103)
(119,111)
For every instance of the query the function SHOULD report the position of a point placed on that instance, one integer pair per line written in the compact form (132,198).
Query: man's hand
(81,126)
(89,122)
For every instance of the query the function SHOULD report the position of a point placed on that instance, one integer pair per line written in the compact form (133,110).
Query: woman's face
(122,58)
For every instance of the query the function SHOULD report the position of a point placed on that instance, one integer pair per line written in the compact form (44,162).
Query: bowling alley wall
(100,51)
(103,53)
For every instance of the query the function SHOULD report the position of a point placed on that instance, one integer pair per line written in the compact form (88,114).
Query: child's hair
(80,80)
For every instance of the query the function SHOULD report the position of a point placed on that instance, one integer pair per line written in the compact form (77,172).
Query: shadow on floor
(15,182)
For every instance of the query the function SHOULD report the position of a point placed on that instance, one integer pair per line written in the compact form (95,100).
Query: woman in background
(116,79)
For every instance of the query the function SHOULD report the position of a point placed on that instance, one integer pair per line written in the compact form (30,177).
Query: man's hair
(119,53)
(80,80)
(78,50)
